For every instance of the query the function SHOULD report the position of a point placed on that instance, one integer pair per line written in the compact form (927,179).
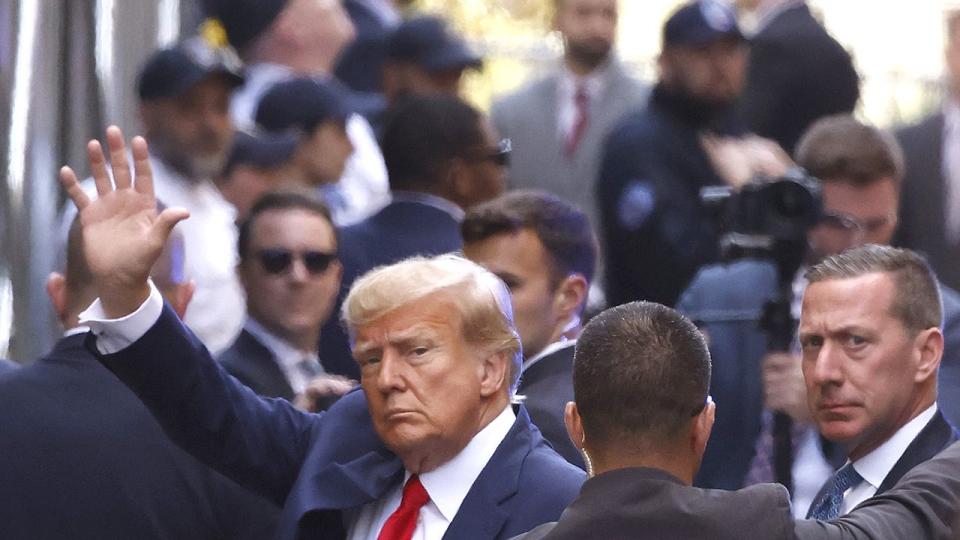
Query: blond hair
(482,300)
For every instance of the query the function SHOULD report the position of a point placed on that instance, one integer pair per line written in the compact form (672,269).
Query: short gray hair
(481,298)
(916,301)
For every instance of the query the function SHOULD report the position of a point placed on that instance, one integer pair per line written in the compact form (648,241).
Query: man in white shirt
(290,274)
(558,122)
(431,448)
(543,248)
(871,344)
(283,39)
(184,93)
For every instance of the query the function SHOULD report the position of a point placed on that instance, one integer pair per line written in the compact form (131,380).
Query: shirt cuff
(114,335)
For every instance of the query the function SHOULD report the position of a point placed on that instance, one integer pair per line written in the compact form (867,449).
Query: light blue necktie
(827,507)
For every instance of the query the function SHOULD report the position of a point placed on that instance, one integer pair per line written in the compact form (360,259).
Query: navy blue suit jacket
(548,386)
(726,301)
(81,457)
(400,230)
(6,365)
(317,465)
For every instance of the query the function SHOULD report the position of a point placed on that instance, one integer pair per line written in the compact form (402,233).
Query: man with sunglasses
(290,273)
(860,169)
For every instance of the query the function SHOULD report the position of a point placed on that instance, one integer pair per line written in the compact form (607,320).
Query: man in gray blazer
(642,418)
(557,124)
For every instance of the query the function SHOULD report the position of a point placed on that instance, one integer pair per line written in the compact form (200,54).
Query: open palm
(123,234)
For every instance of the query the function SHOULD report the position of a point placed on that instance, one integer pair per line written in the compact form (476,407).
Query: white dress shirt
(594,83)
(876,465)
(218,308)
(363,187)
(289,358)
(951,169)
(447,487)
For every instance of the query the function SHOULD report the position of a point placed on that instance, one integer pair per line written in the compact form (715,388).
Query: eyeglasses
(500,155)
(278,261)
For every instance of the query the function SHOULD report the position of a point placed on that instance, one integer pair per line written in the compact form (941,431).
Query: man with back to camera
(643,415)
(656,231)
(544,250)
(444,157)
(291,275)
(283,39)
(860,170)
(81,457)
(431,445)
(557,123)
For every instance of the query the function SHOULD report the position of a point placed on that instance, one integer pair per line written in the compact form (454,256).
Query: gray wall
(67,70)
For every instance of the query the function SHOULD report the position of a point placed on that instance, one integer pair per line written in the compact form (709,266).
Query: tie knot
(582,96)
(414,494)
(847,477)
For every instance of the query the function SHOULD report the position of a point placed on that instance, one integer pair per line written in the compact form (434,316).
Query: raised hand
(123,235)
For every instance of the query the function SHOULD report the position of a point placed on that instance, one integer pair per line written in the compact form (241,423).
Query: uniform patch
(636,204)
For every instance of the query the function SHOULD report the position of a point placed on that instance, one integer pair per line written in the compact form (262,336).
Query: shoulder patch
(636,204)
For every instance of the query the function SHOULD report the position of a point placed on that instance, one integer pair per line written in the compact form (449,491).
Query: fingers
(118,158)
(68,179)
(141,166)
(166,221)
(98,168)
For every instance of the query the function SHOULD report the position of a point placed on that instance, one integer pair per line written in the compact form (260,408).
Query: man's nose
(828,365)
(390,377)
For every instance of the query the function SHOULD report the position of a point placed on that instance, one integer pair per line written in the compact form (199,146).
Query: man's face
(589,28)
(855,215)
(423,381)
(192,132)
(714,73)
(485,177)
(521,261)
(292,302)
(859,362)
(246,184)
(325,153)
(319,26)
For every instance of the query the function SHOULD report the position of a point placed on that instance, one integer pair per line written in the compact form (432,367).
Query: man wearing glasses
(860,169)
(290,274)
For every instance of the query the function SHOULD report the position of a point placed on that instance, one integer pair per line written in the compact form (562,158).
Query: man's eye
(370,360)
(811,342)
(856,341)
(420,351)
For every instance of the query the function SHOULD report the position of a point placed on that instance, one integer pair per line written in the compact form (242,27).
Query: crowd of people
(324,296)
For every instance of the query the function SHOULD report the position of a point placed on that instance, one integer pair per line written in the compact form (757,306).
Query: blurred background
(67,69)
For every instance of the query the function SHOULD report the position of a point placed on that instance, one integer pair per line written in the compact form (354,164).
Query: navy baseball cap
(428,42)
(261,150)
(700,23)
(243,20)
(170,72)
(303,103)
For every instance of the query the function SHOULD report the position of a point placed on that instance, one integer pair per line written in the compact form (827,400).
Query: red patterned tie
(403,521)
(582,102)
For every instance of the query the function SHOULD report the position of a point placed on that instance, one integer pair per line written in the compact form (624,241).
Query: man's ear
(928,348)
(495,369)
(571,295)
(57,291)
(702,427)
(182,294)
(571,418)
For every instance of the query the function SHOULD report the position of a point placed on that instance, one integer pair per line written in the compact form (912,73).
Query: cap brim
(453,57)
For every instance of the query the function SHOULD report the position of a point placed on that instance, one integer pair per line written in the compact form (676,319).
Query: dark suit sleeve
(924,504)
(259,443)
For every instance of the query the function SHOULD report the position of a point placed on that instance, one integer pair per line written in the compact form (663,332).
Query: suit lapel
(262,360)
(358,482)
(934,437)
(484,510)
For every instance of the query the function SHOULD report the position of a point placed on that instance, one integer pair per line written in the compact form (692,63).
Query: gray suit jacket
(529,118)
(646,503)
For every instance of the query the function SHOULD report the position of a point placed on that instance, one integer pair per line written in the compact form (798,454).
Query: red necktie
(582,102)
(403,521)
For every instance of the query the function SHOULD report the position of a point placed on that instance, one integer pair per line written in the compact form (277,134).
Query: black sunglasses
(499,155)
(278,261)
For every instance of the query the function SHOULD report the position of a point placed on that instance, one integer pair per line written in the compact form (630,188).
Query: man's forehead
(842,301)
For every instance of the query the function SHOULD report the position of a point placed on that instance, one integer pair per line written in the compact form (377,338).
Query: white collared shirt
(363,186)
(594,83)
(764,14)
(447,487)
(951,169)
(876,465)
(439,203)
(288,357)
